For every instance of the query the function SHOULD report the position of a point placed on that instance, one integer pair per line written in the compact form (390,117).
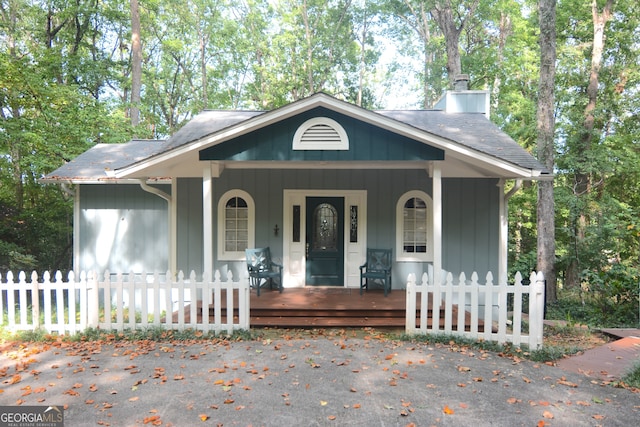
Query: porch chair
(377,268)
(262,269)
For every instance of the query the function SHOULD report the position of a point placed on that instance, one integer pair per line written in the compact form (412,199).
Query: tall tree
(546,145)
(452,19)
(136,64)
(416,17)
(583,147)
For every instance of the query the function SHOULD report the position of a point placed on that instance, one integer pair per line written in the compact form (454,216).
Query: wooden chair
(262,269)
(377,268)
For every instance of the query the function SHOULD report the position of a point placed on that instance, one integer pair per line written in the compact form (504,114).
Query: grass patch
(460,342)
(632,378)
(152,333)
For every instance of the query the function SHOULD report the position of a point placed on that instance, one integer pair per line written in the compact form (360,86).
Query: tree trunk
(545,146)
(136,64)
(582,179)
(443,15)
(203,68)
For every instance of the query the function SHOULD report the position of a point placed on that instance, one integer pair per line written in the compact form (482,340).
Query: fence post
(244,303)
(536,311)
(93,298)
(410,312)
(35,300)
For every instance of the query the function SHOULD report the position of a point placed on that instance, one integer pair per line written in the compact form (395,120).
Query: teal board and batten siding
(470,213)
(366,143)
(122,228)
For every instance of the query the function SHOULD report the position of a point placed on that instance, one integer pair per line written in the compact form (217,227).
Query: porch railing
(484,311)
(117,302)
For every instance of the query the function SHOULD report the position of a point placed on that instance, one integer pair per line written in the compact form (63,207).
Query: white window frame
(413,256)
(223,254)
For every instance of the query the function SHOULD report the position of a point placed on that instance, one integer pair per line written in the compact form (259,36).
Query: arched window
(236,225)
(414,227)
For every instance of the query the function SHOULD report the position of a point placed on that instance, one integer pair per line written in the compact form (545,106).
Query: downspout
(172,241)
(504,228)
(66,189)
(149,189)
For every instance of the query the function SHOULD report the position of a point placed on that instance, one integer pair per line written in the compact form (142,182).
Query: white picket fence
(119,302)
(486,304)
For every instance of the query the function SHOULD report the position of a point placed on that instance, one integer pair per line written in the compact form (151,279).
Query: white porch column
(207,219)
(173,227)
(504,228)
(437,223)
(504,234)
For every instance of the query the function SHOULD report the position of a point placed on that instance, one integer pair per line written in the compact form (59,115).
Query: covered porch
(329,307)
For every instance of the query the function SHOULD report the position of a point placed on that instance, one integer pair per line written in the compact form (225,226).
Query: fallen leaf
(151,419)
(323,403)
(563,381)
(203,417)
(134,398)
(448,410)
(548,415)
(178,377)
(598,417)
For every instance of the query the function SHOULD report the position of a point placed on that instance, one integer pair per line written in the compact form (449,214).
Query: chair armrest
(363,266)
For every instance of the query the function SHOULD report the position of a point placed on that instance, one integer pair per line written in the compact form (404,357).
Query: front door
(325,241)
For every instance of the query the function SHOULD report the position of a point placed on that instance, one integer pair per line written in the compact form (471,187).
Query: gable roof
(465,137)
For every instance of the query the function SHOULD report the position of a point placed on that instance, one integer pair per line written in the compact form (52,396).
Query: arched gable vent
(320,133)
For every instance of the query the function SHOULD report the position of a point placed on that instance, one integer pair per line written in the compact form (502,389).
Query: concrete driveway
(313,380)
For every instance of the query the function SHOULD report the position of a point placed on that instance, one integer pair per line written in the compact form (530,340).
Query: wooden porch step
(331,307)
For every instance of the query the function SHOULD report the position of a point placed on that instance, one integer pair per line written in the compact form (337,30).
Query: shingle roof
(98,162)
(471,130)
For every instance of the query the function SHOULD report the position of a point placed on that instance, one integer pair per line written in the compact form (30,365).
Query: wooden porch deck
(331,307)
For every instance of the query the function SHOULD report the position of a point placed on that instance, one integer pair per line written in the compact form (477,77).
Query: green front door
(325,241)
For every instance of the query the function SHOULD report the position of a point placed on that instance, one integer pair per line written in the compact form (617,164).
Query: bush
(613,295)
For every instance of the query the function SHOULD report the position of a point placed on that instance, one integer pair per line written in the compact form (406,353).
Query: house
(318,181)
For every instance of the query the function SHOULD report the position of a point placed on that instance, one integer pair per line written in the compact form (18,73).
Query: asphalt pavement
(309,380)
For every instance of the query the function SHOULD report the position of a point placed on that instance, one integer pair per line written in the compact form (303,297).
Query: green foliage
(614,297)
(632,378)
(612,301)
